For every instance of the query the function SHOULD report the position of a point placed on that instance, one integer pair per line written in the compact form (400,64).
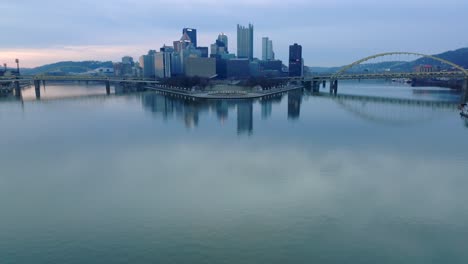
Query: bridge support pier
(108,87)
(324,84)
(307,85)
(316,86)
(17,89)
(465,91)
(333,87)
(37,88)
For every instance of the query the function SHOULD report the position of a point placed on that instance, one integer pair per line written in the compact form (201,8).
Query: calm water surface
(87,177)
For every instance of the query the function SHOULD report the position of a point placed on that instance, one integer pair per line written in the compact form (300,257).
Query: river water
(87,177)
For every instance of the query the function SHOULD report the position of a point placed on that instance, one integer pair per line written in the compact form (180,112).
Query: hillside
(68,67)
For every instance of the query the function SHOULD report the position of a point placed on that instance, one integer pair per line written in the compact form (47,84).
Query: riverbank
(452,84)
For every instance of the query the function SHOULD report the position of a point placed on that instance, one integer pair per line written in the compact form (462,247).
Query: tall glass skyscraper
(267,49)
(245,41)
(192,33)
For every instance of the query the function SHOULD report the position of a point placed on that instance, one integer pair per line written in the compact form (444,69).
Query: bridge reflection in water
(189,110)
(388,111)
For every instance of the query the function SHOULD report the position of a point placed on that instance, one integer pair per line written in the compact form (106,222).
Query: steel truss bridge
(315,81)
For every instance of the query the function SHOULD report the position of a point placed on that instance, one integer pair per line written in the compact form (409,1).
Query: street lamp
(17,66)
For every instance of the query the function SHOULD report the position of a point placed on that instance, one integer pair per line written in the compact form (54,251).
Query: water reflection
(392,112)
(245,117)
(127,183)
(388,111)
(189,109)
(267,105)
(294,104)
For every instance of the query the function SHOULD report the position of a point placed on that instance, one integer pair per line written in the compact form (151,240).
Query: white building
(267,49)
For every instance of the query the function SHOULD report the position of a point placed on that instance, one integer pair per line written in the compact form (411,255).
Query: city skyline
(333,36)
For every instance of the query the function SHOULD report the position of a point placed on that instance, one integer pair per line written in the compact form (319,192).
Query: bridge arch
(347,67)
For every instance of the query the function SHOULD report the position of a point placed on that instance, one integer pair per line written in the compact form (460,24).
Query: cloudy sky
(332,32)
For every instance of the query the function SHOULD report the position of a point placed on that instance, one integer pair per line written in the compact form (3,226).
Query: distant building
(128,60)
(254,68)
(102,71)
(117,69)
(296,63)
(137,71)
(183,43)
(202,67)
(163,62)
(271,65)
(203,51)
(9,72)
(189,52)
(218,48)
(245,41)
(224,39)
(424,68)
(271,68)
(192,34)
(267,49)
(147,64)
(125,68)
(177,68)
(238,68)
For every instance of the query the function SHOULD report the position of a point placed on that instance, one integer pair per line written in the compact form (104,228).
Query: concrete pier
(333,86)
(37,88)
(108,87)
(17,89)
(307,85)
(465,91)
(316,86)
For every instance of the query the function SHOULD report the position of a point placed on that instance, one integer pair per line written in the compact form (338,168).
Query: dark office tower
(224,39)
(192,33)
(245,42)
(295,60)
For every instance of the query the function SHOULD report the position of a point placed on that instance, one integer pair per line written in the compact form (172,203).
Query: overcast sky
(332,32)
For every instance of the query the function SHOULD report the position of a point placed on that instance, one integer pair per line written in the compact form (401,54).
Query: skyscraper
(296,64)
(147,63)
(224,39)
(245,41)
(163,62)
(183,43)
(218,48)
(192,34)
(267,49)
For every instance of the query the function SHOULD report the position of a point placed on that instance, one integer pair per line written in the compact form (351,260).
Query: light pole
(17,66)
